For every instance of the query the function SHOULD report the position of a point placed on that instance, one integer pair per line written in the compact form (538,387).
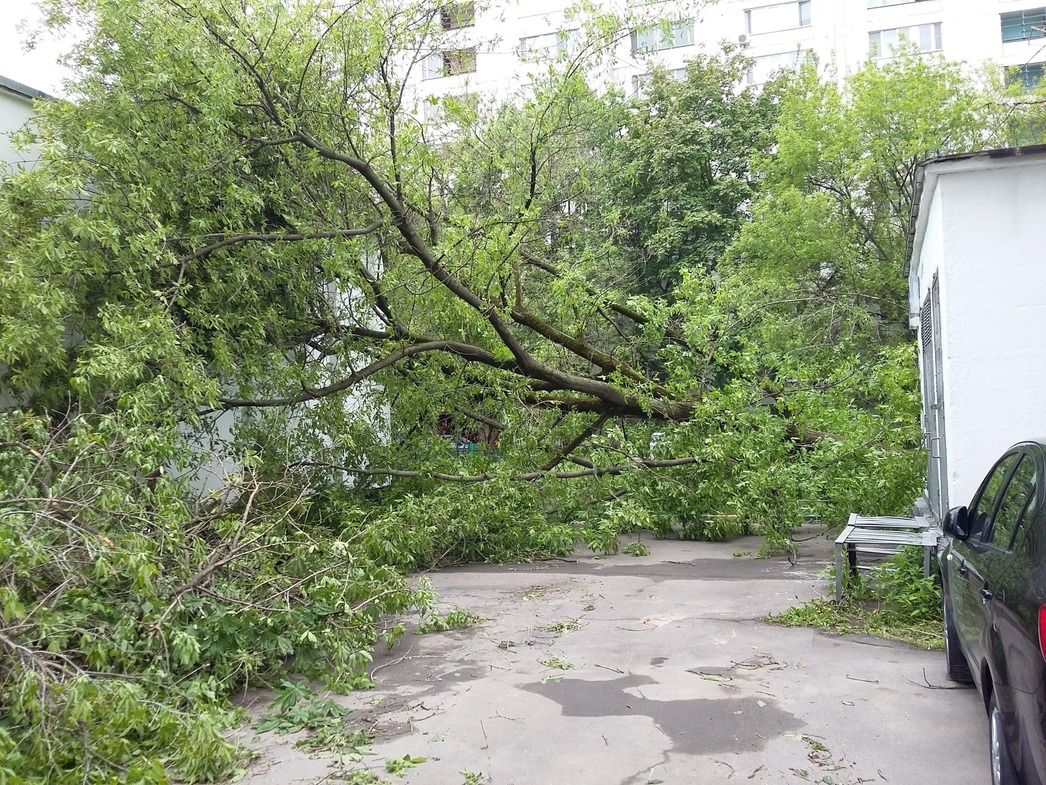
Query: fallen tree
(242,224)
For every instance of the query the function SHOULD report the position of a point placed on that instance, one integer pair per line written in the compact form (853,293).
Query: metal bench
(885,535)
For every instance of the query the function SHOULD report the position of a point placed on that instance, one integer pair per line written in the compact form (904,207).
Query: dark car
(994,572)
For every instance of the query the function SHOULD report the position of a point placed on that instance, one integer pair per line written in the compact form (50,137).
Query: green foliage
(128,614)
(557,663)
(454,619)
(829,232)
(399,766)
(54,730)
(678,168)
(897,602)
(496,521)
(909,596)
(636,548)
(298,708)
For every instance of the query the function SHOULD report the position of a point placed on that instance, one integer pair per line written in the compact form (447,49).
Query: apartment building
(497,51)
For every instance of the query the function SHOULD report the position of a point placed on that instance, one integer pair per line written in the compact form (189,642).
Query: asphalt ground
(651,669)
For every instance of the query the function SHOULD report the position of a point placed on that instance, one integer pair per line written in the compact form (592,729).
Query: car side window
(980,514)
(1017,504)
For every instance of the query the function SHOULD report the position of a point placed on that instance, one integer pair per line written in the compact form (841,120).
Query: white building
(976,283)
(16,112)
(497,51)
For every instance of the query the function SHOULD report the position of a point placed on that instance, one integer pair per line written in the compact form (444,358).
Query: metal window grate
(925,324)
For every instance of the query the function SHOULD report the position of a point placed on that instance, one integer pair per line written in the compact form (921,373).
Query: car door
(971,557)
(1004,566)
(1014,596)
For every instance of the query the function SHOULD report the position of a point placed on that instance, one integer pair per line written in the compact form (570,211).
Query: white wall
(982,232)
(15,112)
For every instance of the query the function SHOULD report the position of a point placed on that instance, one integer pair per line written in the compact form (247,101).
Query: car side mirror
(957,523)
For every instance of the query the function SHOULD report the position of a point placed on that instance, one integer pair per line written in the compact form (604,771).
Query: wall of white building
(16,110)
(980,233)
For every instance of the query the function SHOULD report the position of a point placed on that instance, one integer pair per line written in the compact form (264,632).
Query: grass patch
(897,602)
(860,617)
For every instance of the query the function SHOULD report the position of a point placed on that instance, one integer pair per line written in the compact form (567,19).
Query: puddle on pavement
(697,726)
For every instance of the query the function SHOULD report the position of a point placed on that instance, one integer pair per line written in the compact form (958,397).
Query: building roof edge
(974,158)
(21,90)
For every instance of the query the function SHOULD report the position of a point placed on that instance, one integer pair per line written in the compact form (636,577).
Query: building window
(455,16)
(765,66)
(1027,76)
(663,36)
(1021,25)
(432,112)
(432,66)
(450,63)
(927,38)
(460,61)
(779,16)
(640,82)
(549,45)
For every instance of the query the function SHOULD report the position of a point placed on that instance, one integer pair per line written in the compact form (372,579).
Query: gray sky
(37,68)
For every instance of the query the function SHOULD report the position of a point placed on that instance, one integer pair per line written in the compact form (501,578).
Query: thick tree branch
(480,418)
(236,239)
(576,442)
(463,350)
(420,249)
(578,346)
(663,410)
(597,471)
(619,308)
(527,364)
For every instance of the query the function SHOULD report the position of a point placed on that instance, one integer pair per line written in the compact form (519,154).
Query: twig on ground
(866,681)
(927,686)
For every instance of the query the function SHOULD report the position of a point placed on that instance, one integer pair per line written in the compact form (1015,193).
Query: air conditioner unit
(742,39)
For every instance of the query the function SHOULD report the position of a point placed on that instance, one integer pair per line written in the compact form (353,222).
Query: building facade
(497,51)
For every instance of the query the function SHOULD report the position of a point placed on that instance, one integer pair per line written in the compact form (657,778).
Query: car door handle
(986,593)
(963,569)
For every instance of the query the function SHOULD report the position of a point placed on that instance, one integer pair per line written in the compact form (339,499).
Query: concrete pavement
(653,669)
